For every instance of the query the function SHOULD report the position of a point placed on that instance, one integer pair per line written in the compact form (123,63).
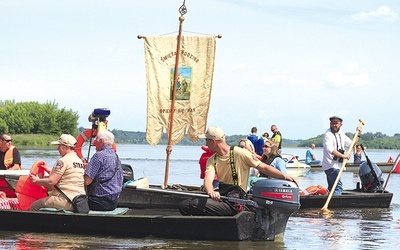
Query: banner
(193,87)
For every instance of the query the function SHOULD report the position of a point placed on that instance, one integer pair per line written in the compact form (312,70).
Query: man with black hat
(335,144)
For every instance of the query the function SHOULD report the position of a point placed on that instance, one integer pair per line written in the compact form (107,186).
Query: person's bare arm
(275,173)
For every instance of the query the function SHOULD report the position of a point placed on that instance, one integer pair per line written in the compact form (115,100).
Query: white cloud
(352,75)
(239,66)
(269,79)
(383,13)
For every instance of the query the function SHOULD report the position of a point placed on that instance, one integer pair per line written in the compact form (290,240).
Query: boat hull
(130,197)
(138,223)
(153,211)
(295,171)
(348,199)
(354,168)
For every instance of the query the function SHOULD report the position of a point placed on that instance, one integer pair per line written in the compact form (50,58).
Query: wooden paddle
(325,207)
(390,173)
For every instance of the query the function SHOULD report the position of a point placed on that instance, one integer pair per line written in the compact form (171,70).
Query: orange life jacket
(314,190)
(9,158)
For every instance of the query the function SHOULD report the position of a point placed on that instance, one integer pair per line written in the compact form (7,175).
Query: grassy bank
(41,140)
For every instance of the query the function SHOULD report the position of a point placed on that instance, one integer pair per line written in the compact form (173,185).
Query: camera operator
(335,143)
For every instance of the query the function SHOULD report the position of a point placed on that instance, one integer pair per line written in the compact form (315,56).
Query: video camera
(99,114)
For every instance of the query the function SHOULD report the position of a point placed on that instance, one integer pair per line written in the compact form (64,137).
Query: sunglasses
(8,140)
(266,146)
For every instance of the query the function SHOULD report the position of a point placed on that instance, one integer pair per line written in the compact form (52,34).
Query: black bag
(230,190)
(91,187)
(80,204)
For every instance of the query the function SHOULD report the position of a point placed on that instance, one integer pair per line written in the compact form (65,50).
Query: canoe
(352,167)
(155,197)
(155,212)
(135,223)
(348,199)
(295,168)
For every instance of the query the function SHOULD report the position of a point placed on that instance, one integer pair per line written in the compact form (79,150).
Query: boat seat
(117,211)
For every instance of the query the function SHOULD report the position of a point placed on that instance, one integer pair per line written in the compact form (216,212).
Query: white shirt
(333,141)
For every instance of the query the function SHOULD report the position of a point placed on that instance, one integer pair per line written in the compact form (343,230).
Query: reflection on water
(306,229)
(24,240)
(382,214)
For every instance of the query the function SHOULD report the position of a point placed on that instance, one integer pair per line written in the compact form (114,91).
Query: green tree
(36,118)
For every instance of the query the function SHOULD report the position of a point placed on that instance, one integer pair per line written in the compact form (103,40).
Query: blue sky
(289,63)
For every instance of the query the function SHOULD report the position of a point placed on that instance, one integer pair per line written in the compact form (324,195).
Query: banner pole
(182,11)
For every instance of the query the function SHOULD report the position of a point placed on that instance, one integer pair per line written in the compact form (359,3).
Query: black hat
(335,117)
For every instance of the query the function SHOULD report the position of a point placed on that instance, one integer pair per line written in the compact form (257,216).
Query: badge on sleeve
(59,165)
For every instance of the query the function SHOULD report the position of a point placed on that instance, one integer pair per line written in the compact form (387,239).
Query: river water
(309,229)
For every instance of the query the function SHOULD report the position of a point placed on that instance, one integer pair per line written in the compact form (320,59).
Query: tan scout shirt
(71,167)
(243,159)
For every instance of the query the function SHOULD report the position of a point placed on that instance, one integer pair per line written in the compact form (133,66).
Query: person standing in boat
(311,159)
(335,142)
(103,174)
(257,141)
(10,158)
(357,154)
(66,174)
(276,137)
(232,165)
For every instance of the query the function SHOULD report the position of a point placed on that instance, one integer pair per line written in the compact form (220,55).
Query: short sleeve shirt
(243,159)
(71,169)
(102,167)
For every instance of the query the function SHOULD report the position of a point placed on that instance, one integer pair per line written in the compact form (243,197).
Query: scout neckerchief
(232,163)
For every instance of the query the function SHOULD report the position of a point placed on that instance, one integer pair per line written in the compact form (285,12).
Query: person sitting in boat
(247,144)
(357,154)
(10,159)
(272,157)
(311,159)
(203,162)
(66,175)
(103,174)
(265,136)
(226,160)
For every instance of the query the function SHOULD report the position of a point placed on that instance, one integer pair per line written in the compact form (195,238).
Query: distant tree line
(36,118)
(49,119)
(376,140)
(369,140)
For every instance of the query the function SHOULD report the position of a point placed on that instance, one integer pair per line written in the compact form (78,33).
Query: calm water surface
(309,229)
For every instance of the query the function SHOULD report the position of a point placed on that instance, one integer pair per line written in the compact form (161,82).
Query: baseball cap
(65,139)
(335,117)
(214,133)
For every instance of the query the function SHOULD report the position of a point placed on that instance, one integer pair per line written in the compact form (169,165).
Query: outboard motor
(277,200)
(371,177)
(127,172)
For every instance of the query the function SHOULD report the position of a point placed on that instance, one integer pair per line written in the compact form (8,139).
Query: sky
(289,63)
